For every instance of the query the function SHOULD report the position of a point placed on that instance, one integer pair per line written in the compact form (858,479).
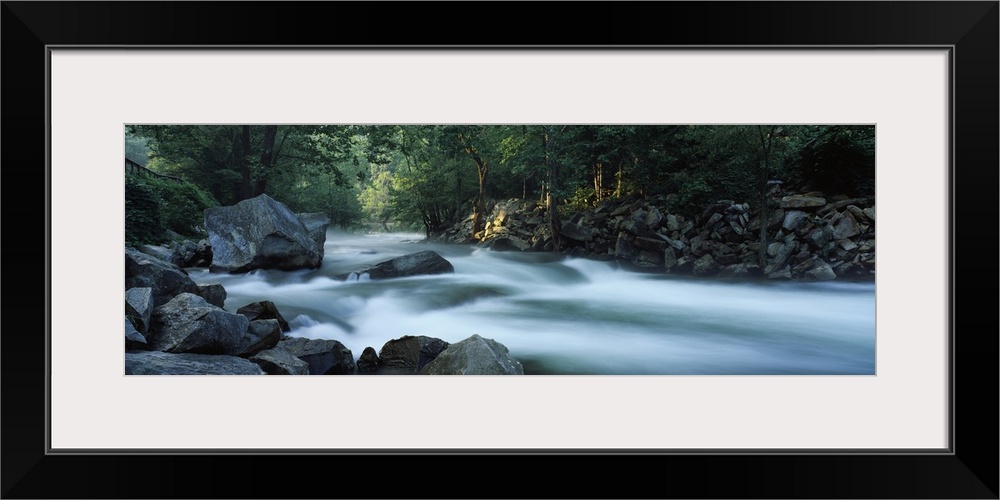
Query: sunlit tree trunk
(599,181)
(480,204)
(621,174)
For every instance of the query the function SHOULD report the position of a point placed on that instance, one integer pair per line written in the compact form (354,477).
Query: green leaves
(430,174)
(153,205)
(142,213)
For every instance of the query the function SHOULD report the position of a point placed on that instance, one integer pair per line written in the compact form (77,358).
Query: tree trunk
(598,181)
(765,145)
(618,188)
(764,220)
(459,202)
(244,191)
(266,158)
(550,200)
(482,168)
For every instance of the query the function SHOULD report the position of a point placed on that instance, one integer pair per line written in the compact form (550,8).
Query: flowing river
(571,316)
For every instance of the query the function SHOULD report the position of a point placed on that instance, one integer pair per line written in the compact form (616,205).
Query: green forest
(429,177)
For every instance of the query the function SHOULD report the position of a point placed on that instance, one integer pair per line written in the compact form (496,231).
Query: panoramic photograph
(499,249)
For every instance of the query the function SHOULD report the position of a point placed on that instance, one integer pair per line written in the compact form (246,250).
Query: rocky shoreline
(176,327)
(810,237)
(172,328)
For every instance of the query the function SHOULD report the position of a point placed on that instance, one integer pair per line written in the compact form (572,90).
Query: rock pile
(176,327)
(809,236)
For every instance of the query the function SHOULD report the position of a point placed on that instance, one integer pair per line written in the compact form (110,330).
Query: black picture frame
(969,28)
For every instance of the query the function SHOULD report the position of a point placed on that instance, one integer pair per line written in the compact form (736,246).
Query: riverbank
(809,237)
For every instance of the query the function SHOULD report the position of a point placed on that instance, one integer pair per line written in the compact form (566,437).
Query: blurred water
(561,315)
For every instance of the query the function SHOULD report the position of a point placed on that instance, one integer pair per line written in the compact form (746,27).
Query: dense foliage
(142,213)
(431,176)
(154,205)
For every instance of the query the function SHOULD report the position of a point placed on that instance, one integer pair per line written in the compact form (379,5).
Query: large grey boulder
(165,279)
(409,354)
(161,363)
(259,233)
(414,264)
(325,357)
(188,323)
(474,356)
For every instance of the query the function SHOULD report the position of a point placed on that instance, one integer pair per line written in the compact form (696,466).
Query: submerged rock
(414,264)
